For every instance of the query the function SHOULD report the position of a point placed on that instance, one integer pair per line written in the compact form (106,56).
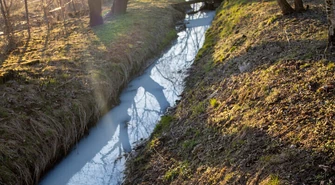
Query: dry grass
(274,115)
(57,84)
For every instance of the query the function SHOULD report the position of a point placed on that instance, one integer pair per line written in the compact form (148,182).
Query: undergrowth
(261,93)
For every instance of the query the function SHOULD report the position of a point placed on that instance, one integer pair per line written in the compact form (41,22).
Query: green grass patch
(117,28)
(172,34)
(209,43)
(163,124)
(181,168)
(208,66)
(331,66)
(225,29)
(266,158)
(198,109)
(214,103)
(154,143)
(274,180)
(192,132)
(272,19)
(3,113)
(306,65)
(228,176)
(189,144)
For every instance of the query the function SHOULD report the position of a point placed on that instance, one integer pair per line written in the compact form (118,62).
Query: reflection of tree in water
(141,106)
(146,102)
(146,108)
(111,158)
(174,71)
(170,68)
(169,73)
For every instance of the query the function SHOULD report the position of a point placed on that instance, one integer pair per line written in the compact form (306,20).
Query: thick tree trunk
(119,7)
(285,7)
(95,12)
(298,6)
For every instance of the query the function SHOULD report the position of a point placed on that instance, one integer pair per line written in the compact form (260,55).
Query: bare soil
(259,107)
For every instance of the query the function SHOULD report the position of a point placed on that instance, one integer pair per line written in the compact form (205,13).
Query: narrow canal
(99,158)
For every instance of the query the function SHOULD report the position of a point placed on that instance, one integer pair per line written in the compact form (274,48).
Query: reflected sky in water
(98,158)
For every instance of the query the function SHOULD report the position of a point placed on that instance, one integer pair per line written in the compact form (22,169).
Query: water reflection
(98,158)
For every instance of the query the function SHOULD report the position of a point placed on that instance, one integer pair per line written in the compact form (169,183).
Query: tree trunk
(74,7)
(331,38)
(285,7)
(4,15)
(119,7)
(330,11)
(8,25)
(299,6)
(27,17)
(62,12)
(45,14)
(95,12)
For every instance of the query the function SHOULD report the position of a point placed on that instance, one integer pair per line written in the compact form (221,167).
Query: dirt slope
(259,107)
(57,84)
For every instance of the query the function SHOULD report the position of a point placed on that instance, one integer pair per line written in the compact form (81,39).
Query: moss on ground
(262,95)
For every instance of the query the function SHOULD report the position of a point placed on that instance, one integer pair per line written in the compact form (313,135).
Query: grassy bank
(57,84)
(259,107)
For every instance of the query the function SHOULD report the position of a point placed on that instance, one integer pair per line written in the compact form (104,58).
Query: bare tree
(27,17)
(5,11)
(62,7)
(45,14)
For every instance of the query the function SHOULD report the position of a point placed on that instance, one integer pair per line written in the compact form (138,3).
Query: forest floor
(259,106)
(60,81)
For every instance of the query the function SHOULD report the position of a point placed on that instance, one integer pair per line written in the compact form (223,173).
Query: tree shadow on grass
(248,155)
(262,56)
(251,156)
(232,151)
(252,150)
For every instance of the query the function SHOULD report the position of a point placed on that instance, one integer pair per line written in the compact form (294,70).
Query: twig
(287,38)
(159,155)
(65,83)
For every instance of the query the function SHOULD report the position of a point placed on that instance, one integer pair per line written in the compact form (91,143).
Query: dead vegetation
(56,84)
(258,107)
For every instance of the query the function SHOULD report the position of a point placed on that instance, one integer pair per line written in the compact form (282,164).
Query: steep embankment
(58,84)
(259,107)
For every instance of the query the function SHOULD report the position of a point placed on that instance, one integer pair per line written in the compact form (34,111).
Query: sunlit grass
(114,29)
(180,169)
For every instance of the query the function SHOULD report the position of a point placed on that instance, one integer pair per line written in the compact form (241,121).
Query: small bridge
(191,2)
(208,4)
